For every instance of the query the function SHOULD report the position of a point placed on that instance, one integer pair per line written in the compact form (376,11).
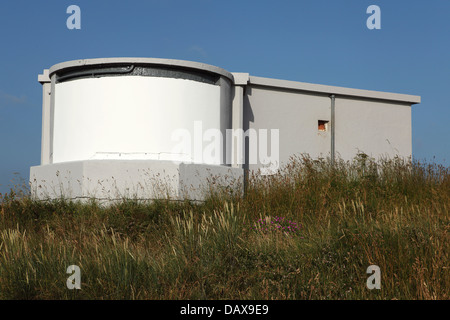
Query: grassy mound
(309,232)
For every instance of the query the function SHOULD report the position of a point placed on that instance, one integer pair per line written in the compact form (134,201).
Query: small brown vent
(322,125)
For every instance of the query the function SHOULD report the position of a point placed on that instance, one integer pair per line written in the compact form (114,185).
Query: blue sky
(318,41)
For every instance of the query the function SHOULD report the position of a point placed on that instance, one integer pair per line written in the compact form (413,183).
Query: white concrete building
(149,128)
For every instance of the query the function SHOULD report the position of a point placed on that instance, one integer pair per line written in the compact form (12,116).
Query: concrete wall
(377,128)
(295,114)
(133,117)
(111,180)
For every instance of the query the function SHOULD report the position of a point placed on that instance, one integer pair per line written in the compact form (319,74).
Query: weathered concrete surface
(131,179)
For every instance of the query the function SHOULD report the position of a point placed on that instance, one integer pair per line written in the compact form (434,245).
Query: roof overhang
(339,91)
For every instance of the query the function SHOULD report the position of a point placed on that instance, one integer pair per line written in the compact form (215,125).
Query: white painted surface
(130,117)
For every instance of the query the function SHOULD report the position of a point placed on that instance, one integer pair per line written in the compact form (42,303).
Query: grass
(390,213)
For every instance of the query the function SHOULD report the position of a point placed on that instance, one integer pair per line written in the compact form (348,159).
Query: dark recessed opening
(322,125)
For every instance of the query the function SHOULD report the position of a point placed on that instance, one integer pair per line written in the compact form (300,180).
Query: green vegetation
(391,213)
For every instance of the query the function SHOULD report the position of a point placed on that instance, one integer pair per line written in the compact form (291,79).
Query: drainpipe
(46,116)
(333,98)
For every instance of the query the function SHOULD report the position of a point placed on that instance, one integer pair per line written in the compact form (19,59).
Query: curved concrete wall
(135,116)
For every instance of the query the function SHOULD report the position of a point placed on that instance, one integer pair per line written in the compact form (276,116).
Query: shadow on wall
(248,117)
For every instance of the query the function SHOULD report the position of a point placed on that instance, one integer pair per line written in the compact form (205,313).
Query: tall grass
(391,213)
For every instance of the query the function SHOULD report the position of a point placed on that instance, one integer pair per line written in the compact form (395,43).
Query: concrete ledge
(44,77)
(241,79)
(131,179)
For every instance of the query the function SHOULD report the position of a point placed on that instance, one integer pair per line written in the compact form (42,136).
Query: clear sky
(317,41)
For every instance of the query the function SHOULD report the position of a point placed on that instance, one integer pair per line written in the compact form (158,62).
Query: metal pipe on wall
(333,98)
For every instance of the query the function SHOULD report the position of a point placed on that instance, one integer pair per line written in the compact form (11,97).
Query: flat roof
(240,77)
(303,86)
